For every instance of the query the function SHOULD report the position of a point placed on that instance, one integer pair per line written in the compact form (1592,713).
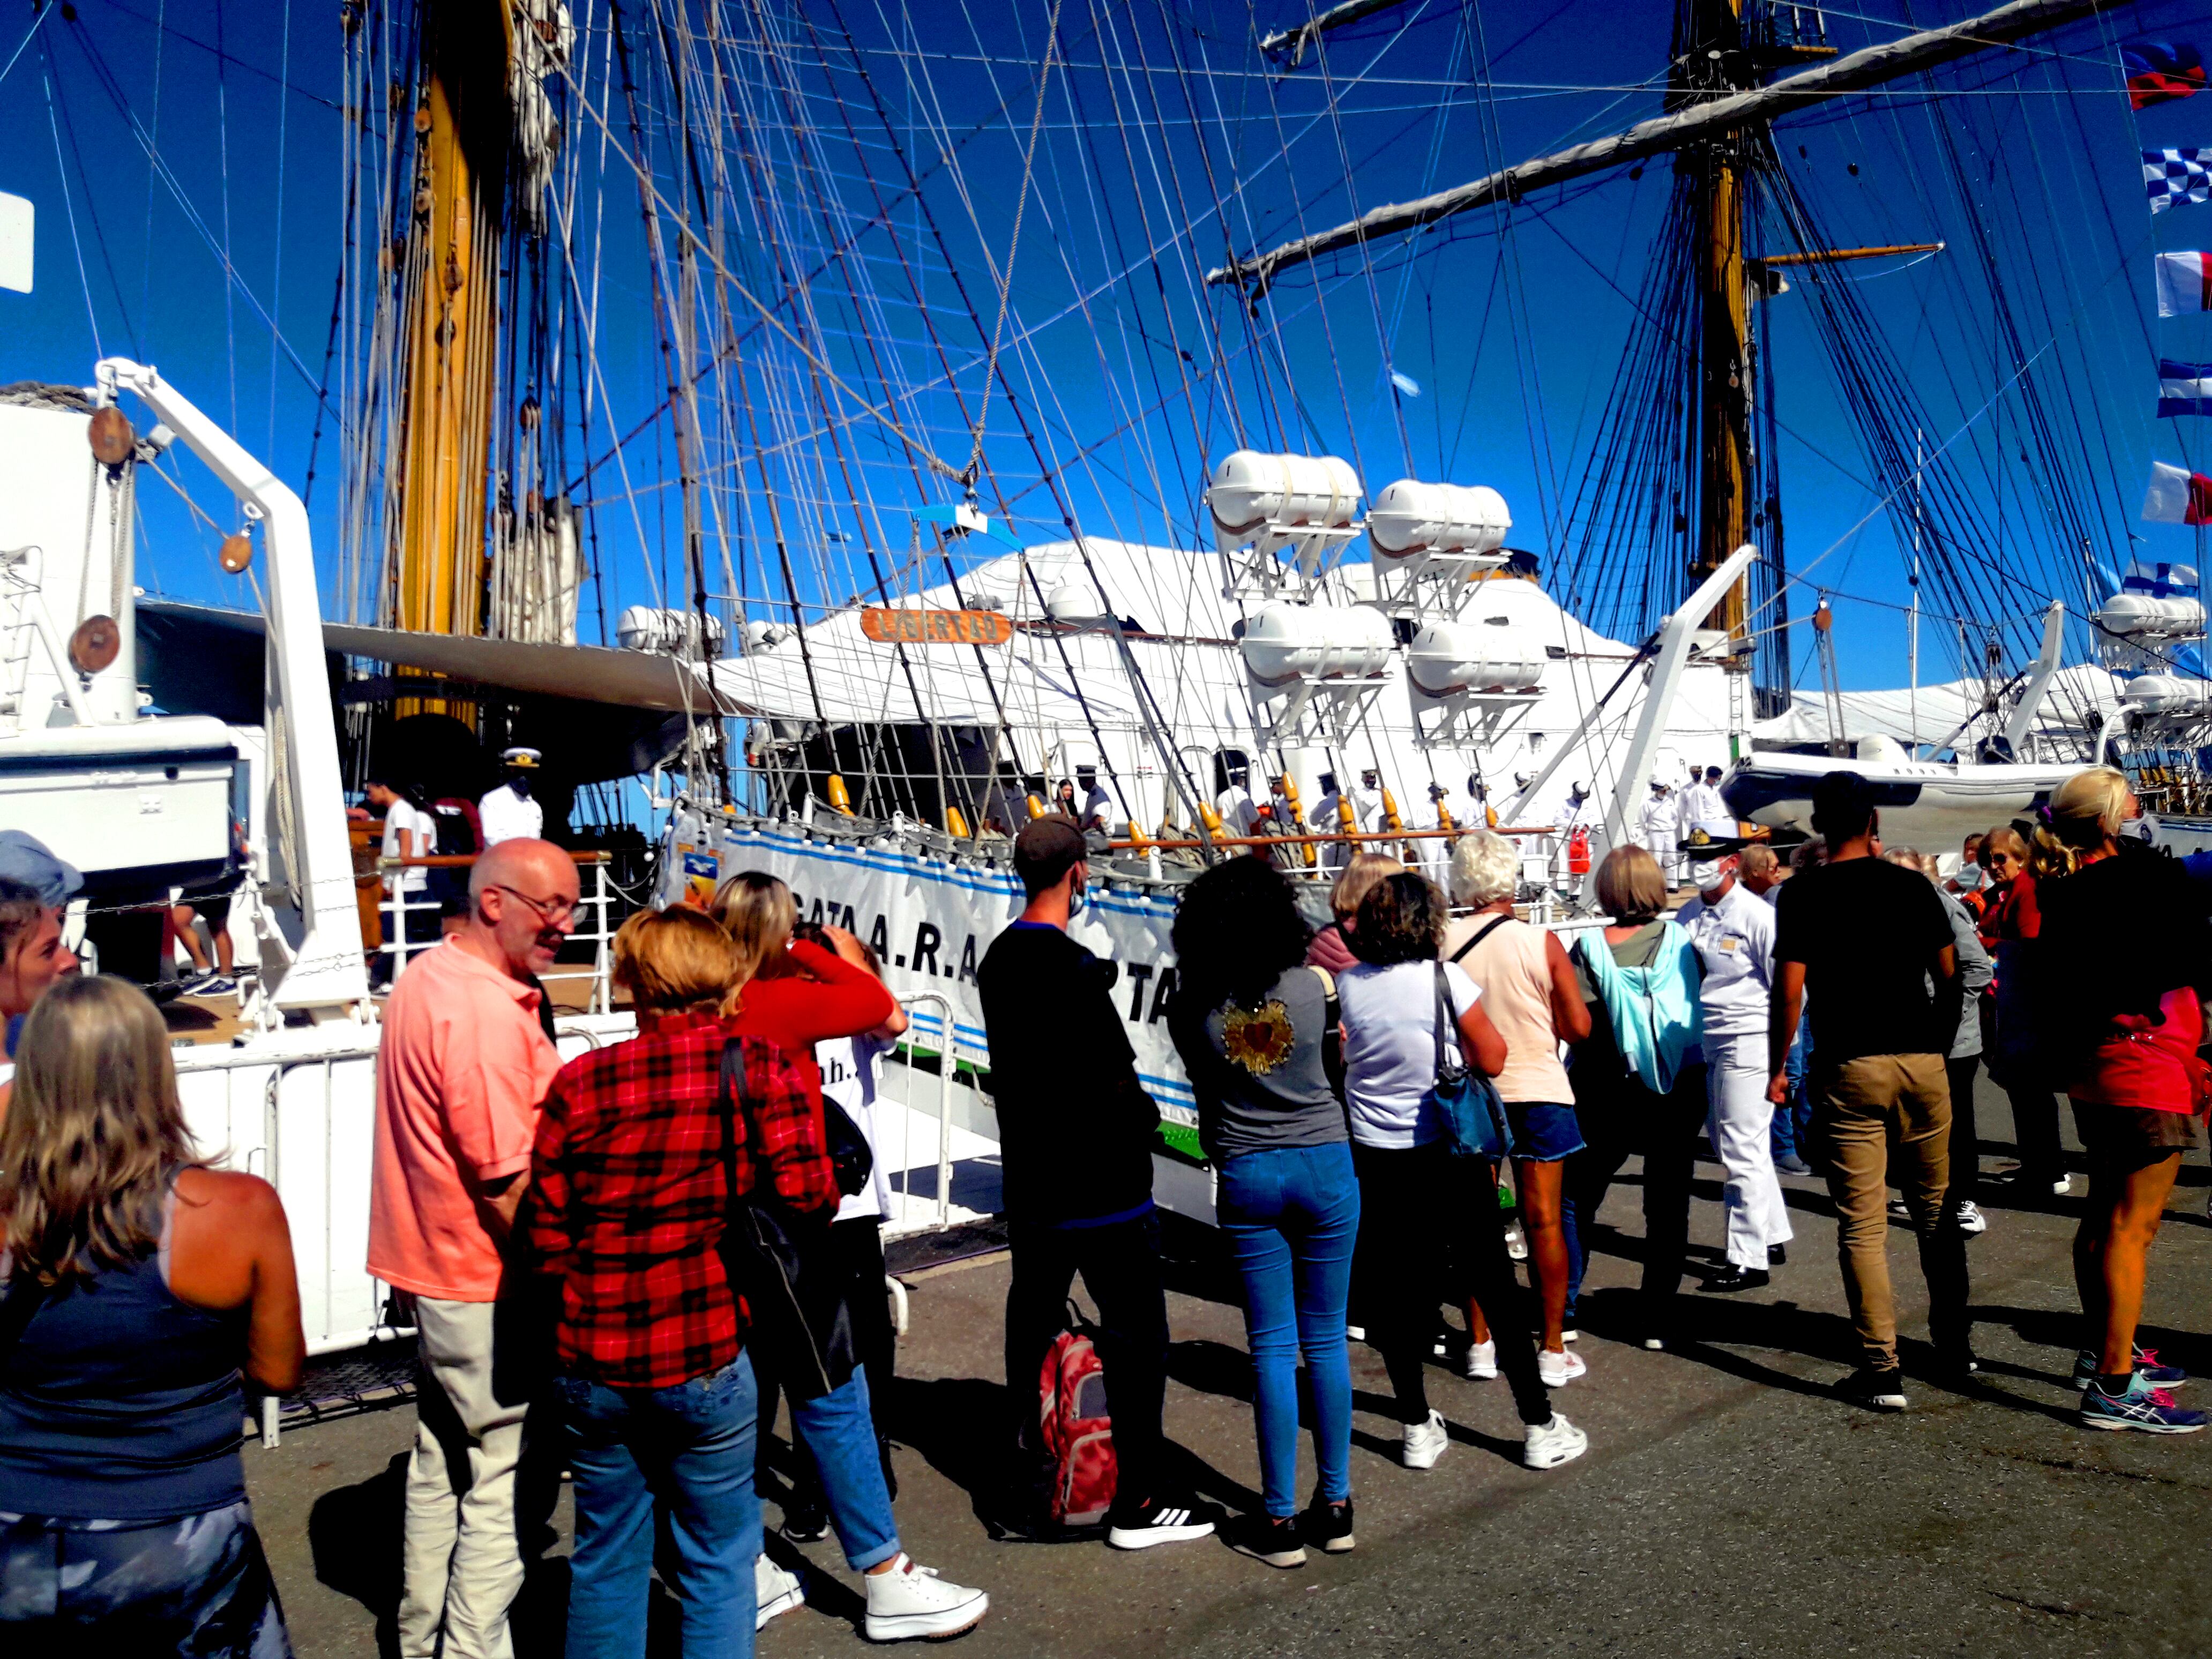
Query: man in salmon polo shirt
(463,1067)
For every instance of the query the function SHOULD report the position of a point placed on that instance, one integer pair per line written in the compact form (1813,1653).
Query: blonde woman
(2115,971)
(1329,952)
(1639,1081)
(1529,991)
(141,1288)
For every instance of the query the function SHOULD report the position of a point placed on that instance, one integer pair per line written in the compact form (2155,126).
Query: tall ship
(826,435)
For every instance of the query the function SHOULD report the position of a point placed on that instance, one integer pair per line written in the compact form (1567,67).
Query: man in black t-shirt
(1075,1145)
(1872,943)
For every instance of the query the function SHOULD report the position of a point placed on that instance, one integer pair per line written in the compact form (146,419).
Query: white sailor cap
(528,759)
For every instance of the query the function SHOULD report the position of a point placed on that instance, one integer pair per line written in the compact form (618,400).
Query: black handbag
(850,1155)
(796,1290)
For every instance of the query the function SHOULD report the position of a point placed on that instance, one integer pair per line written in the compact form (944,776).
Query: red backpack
(1077,1432)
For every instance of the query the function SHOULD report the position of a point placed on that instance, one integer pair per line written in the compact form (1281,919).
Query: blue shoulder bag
(1464,1098)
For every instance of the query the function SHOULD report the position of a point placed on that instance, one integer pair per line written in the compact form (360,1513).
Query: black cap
(1047,848)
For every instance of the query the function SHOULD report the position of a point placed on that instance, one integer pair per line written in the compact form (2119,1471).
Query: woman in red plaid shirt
(626,1210)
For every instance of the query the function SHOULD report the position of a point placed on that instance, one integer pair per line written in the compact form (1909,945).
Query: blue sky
(1512,325)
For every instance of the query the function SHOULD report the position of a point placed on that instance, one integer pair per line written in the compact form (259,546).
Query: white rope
(1013,245)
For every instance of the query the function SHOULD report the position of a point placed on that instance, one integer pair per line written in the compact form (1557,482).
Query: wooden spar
(1296,41)
(1859,71)
(1834,256)
(1361,836)
(451,327)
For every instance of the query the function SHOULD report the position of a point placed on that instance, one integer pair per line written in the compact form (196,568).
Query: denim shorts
(1542,1133)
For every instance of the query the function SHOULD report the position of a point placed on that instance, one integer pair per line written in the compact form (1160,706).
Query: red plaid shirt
(628,1197)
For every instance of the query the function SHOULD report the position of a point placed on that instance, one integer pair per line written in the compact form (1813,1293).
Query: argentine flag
(2184,388)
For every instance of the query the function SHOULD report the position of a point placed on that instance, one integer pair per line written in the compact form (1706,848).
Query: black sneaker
(804,1523)
(1958,1364)
(1778,1255)
(1271,1539)
(1143,1525)
(1879,1390)
(1328,1526)
(1738,1279)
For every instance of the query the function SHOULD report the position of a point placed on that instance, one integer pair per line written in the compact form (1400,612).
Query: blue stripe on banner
(963,876)
(2170,407)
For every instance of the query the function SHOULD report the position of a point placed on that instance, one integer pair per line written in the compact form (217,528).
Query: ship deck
(1728,1502)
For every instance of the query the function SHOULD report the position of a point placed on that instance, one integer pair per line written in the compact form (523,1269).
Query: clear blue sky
(1513,337)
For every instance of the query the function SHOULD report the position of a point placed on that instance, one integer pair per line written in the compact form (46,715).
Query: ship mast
(1710,61)
(451,329)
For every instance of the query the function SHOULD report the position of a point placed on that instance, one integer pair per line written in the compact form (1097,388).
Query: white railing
(948,1066)
(398,905)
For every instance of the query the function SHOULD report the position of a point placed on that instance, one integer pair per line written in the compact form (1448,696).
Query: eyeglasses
(553,911)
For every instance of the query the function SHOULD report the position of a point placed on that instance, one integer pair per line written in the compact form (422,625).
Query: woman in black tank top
(136,1286)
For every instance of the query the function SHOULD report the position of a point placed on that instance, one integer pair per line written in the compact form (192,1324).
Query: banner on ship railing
(930,921)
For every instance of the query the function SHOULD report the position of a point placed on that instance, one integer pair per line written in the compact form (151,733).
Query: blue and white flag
(2173,176)
(2184,388)
(1405,383)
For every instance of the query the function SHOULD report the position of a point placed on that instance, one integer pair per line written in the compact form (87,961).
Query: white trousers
(1740,1119)
(462,1558)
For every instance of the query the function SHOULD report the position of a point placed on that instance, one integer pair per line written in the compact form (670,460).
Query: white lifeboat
(1285,642)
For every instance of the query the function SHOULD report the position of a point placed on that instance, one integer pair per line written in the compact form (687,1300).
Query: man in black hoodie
(1075,1143)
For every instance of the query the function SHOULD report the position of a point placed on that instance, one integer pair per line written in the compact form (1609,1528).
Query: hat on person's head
(24,858)
(1047,848)
(1713,838)
(528,759)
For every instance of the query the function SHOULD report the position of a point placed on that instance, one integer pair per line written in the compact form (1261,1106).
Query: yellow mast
(1717,60)
(451,323)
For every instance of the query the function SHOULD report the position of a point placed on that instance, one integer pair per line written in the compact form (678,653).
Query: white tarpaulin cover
(1931,715)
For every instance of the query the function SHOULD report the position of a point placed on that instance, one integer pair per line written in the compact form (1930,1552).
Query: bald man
(463,1067)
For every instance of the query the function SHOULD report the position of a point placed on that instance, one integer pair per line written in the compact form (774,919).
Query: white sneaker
(1550,1444)
(1355,1333)
(1557,1369)
(774,1591)
(1517,1242)
(910,1601)
(1424,1443)
(1970,1219)
(1479,1363)
(2061,1185)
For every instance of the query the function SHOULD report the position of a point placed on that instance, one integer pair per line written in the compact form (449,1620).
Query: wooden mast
(1712,61)
(451,329)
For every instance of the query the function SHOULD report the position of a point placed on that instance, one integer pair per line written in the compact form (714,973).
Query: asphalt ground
(1730,1502)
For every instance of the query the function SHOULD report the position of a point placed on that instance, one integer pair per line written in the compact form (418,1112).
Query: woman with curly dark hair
(1256,1029)
(1433,1229)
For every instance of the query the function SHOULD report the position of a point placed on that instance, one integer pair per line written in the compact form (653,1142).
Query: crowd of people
(626,1264)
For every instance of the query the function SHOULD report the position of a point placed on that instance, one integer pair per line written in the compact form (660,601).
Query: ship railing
(598,902)
(946,1040)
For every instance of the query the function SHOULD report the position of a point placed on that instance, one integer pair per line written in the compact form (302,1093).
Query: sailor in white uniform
(1701,804)
(1733,932)
(1235,804)
(1098,811)
(1659,832)
(511,812)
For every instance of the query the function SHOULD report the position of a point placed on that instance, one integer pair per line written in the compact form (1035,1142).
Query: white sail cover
(1935,712)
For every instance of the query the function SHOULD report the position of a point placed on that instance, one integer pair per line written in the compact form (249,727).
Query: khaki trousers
(1861,1109)
(463,1555)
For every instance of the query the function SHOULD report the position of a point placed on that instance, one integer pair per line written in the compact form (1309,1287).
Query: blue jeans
(1293,1216)
(840,1435)
(693,1445)
(1793,1119)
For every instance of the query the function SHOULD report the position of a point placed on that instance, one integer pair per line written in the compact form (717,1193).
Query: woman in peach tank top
(1528,988)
